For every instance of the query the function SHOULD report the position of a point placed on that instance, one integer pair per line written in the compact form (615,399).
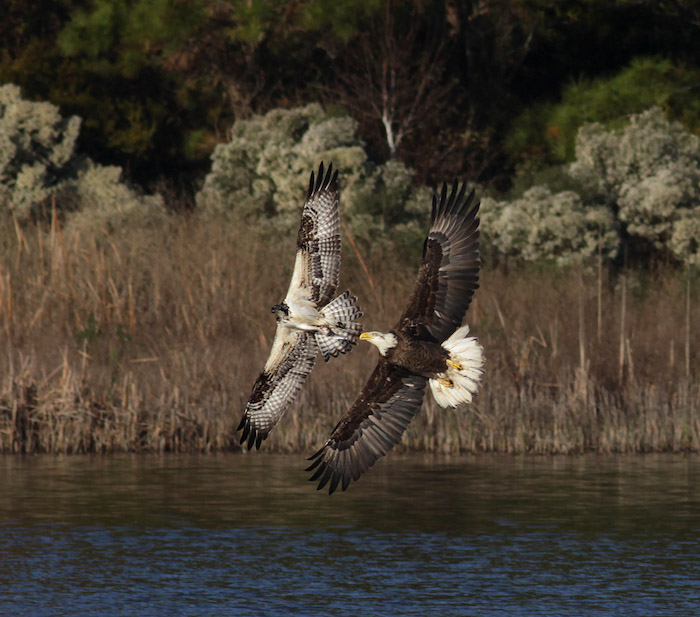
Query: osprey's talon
(455,365)
(443,381)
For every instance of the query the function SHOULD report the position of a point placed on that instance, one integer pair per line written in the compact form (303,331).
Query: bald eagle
(428,345)
(308,320)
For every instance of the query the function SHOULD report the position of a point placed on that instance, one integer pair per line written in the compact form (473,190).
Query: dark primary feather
(449,272)
(291,360)
(371,427)
(318,240)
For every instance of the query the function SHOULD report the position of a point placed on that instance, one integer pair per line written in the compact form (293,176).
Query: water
(247,535)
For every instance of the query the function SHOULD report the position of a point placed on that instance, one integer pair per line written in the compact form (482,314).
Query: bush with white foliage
(37,151)
(648,173)
(542,226)
(262,175)
(105,202)
(38,161)
(640,182)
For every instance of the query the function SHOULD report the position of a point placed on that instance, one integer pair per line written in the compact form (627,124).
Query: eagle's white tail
(469,356)
(343,329)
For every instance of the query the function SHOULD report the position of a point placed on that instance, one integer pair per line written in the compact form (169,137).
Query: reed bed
(150,338)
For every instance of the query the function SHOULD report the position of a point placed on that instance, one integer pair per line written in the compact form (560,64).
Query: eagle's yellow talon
(443,381)
(455,365)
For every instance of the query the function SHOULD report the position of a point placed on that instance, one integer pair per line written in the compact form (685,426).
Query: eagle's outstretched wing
(449,270)
(371,427)
(291,360)
(317,262)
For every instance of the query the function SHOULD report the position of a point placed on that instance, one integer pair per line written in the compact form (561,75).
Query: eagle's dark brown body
(425,358)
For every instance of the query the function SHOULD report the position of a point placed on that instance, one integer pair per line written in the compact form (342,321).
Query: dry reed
(149,339)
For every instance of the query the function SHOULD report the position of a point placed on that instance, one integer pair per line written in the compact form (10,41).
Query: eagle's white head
(384,342)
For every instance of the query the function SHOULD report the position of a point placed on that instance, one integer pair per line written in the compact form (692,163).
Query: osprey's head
(281,311)
(384,342)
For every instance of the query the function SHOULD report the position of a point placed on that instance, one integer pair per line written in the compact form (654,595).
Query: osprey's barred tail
(343,328)
(468,355)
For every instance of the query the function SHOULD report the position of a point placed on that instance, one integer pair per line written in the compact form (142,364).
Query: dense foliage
(40,169)
(262,172)
(542,225)
(236,101)
(37,151)
(635,193)
(630,192)
(435,84)
(547,132)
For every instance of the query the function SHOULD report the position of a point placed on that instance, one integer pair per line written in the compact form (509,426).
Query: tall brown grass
(150,338)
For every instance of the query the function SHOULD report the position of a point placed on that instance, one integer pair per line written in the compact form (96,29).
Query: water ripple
(243,536)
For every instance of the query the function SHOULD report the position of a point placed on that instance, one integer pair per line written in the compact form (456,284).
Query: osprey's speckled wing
(314,282)
(317,263)
(291,360)
(371,427)
(449,270)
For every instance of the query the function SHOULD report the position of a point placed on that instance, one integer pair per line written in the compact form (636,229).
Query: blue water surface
(246,535)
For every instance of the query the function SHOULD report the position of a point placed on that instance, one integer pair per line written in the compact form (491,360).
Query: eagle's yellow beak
(366,336)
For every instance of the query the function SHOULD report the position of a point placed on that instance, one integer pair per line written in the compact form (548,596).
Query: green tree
(184,71)
(550,130)
(434,83)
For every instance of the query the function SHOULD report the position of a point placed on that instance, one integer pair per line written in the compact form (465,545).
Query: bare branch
(394,79)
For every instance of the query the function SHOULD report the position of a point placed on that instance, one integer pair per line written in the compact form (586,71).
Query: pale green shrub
(641,181)
(37,151)
(542,226)
(648,173)
(262,175)
(106,202)
(550,129)
(38,161)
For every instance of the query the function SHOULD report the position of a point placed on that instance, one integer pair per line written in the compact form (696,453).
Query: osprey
(428,345)
(307,319)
